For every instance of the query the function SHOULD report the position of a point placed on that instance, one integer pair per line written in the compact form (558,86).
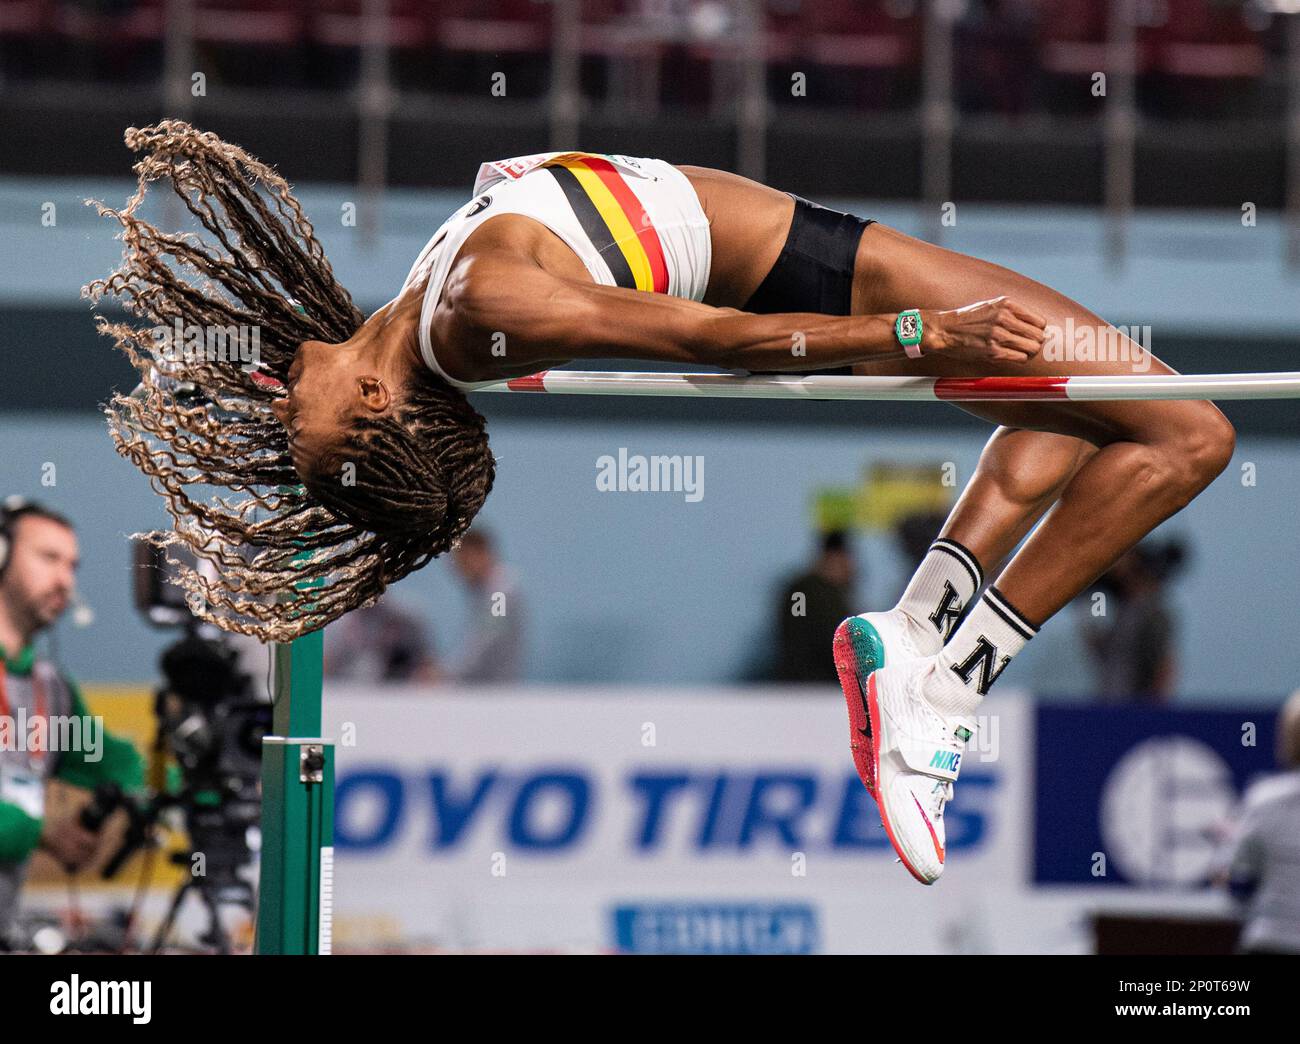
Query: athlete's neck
(390,337)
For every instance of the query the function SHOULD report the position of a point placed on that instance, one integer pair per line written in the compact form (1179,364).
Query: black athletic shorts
(815,270)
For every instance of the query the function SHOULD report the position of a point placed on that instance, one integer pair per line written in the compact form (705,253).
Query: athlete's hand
(997,330)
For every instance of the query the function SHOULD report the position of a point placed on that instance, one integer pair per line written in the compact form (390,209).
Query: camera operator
(38,561)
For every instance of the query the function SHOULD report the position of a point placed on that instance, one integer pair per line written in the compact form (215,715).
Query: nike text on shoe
(915,755)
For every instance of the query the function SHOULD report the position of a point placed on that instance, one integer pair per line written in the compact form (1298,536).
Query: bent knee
(1212,443)
(1192,460)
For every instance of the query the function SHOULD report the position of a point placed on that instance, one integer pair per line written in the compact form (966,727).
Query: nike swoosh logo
(866,711)
(934,838)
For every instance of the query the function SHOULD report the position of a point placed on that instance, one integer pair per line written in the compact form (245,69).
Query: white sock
(943,585)
(977,654)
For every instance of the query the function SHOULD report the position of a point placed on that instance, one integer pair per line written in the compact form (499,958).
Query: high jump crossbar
(910,389)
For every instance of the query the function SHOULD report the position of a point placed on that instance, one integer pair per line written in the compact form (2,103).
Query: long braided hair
(287,553)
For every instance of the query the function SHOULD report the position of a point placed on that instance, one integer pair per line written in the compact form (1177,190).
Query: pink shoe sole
(859,650)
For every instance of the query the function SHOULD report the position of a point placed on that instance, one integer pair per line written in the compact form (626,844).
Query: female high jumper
(357,458)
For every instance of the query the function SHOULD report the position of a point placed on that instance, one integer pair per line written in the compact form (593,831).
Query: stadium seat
(254,23)
(408,24)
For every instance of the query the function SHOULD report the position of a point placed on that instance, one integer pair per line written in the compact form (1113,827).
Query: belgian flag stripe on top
(615,221)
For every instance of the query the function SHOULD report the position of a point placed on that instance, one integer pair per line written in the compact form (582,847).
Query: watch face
(909,327)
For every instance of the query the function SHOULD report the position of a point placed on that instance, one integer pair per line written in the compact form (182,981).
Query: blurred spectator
(1261,855)
(492,649)
(915,534)
(384,643)
(1133,643)
(811,606)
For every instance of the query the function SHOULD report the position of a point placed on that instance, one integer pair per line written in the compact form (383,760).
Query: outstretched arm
(544,318)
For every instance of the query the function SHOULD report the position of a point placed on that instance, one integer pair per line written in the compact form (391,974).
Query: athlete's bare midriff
(748,225)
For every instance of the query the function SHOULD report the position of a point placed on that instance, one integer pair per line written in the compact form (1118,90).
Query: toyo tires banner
(652,821)
(732,821)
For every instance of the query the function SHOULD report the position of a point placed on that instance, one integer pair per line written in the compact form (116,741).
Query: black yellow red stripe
(614,219)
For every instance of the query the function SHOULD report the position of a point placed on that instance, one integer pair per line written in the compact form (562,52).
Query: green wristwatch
(907,328)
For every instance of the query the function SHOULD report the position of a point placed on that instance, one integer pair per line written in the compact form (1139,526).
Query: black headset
(11,510)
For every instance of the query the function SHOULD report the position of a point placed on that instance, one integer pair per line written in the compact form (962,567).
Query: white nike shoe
(915,756)
(863,644)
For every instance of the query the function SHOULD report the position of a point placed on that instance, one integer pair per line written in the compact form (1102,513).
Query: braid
(289,553)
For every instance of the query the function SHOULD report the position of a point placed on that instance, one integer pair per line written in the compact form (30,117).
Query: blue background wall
(647,587)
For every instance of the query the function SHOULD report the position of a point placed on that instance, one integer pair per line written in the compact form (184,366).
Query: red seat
(143,21)
(1072,38)
(861,34)
(26,18)
(252,23)
(611,29)
(495,27)
(1202,40)
(408,24)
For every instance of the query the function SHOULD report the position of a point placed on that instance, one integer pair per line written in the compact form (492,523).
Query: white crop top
(634,222)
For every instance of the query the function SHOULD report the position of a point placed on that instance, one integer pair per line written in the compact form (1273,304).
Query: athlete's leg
(1115,470)
(1148,459)
(1021,473)
(920,713)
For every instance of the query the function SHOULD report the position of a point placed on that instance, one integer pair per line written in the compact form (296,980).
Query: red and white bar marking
(948,389)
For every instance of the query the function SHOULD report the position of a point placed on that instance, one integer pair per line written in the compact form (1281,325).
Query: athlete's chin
(307,467)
